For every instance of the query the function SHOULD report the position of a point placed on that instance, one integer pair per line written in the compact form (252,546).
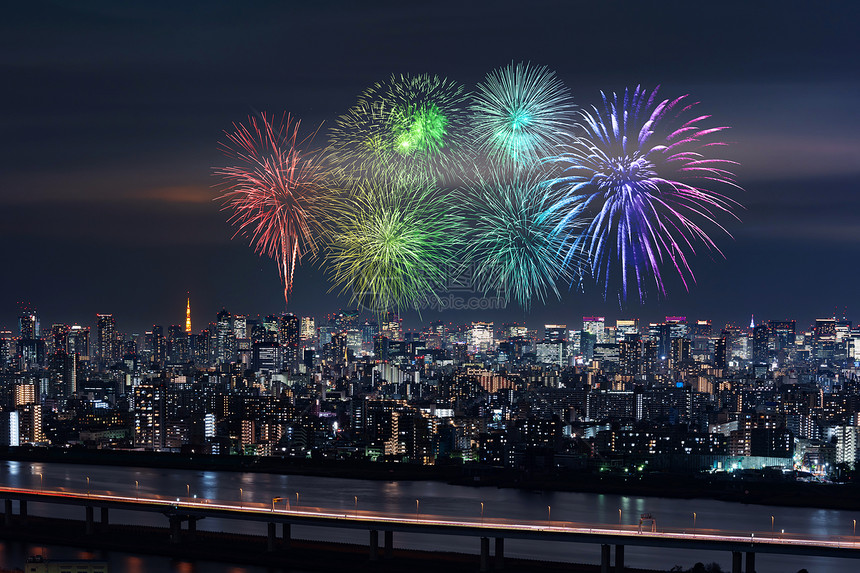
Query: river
(432,498)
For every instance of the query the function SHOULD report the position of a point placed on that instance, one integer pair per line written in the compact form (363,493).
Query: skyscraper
(188,316)
(106,339)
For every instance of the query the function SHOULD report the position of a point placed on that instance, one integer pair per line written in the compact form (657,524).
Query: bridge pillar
(175,529)
(22,509)
(104,519)
(619,558)
(285,534)
(90,526)
(272,537)
(485,554)
(737,562)
(8,519)
(500,553)
(604,558)
(374,544)
(389,545)
(750,562)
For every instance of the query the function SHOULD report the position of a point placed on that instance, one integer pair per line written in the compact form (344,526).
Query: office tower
(308,330)
(290,339)
(625,327)
(555,332)
(224,338)
(595,325)
(680,351)
(630,355)
(106,339)
(702,328)
(824,338)
(79,342)
(28,324)
(392,326)
(188,316)
(479,337)
(240,326)
(59,338)
(677,326)
(760,346)
(178,345)
(721,352)
(158,346)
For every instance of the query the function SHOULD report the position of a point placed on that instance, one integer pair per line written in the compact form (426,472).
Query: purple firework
(639,176)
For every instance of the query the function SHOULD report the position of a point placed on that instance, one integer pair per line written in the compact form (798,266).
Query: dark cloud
(111,113)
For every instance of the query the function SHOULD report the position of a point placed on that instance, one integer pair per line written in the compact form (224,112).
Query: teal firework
(514,245)
(520,114)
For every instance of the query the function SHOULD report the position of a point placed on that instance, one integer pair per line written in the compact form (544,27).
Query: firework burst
(521,114)
(275,191)
(640,174)
(514,244)
(409,125)
(393,243)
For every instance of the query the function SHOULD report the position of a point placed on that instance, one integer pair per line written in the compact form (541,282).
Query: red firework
(274,191)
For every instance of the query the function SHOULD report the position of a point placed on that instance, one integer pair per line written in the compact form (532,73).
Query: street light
(274,499)
(297,501)
(188,490)
(416,510)
(241,503)
(694,523)
(136,489)
(41,482)
(482,513)
(548,515)
(771,526)
(88,486)
(356,504)
(619,517)
(855,531)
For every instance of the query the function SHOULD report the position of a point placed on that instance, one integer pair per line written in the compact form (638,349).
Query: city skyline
(114,114)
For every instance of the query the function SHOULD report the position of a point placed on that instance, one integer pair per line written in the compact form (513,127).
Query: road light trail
(376,519)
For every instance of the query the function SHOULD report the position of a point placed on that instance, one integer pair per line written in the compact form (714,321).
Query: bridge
(188,510)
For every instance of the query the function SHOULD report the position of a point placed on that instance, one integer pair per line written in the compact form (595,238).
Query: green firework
(393,244)
(413,126)
(514,244)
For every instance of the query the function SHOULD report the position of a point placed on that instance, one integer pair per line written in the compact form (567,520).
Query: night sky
(111,115)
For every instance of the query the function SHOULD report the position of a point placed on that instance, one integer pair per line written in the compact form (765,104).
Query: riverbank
(721,487)
(297,555)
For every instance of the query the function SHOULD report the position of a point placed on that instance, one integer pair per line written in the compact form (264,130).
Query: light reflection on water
(435,499)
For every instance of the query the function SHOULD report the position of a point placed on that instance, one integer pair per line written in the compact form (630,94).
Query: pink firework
(275,191)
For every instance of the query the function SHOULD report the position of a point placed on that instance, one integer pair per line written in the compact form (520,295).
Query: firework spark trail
(639,173)
(393,243)
(275,191)
(409,125)
(521,114)
(515,242)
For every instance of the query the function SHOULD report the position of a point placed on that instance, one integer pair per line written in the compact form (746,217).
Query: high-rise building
(625,327)
(595,325)
(308,329)
(824,338)
(479,337)
(28,324)
(79,342)
(106,339)
(760,345)
(224,338)
(290,338)
(555,332)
